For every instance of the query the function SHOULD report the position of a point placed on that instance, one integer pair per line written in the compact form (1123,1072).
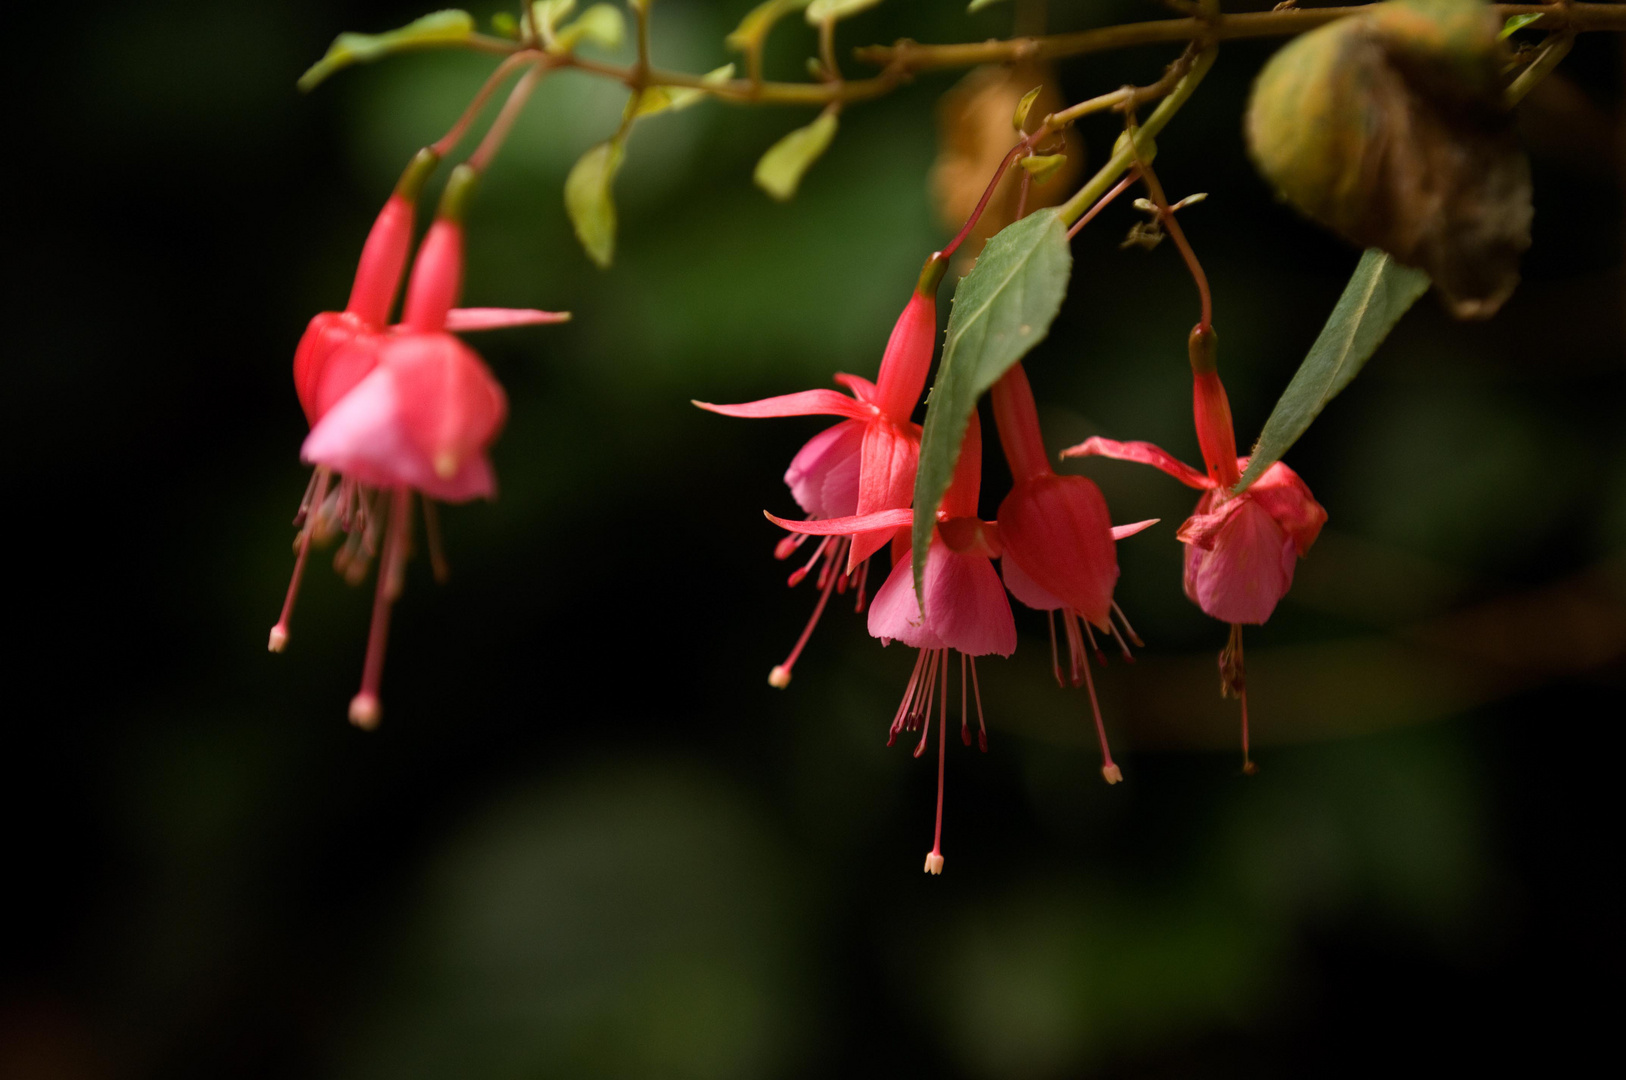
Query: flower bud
(1390,128)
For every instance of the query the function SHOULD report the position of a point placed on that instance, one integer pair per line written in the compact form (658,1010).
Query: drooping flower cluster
(395,410)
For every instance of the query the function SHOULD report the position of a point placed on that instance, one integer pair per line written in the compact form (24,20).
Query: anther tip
(1111,773)
(365,711)
(934,863)
(779,677)
(1249,768)
(279,638)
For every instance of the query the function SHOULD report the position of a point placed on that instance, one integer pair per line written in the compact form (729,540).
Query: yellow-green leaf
(435,30)
(600,24)
(674,98)
(753,29)
(836,10)
(546,15)
(590,200)
(1020,118)
(1043,166)
(1378,293)
(505,25)
(1516,23)
(1002,309)
(780,170)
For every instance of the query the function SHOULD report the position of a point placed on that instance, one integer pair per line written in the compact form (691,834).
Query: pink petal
(470,319)
(823,476)
(1025,589)
(1144,453)
(861,388)
(1287,499)
(965,603)
(1248,570)
(846,526)
(894,613)
(886,480)
(1058,529)
(804,403)
(1123,532)
(1205,522)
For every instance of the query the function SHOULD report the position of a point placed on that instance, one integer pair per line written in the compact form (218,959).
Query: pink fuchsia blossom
(1241,549)
(965,609)
(1059,545)
(864,465)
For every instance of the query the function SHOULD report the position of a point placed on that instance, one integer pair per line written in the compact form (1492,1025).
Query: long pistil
(365,709)
(934,858)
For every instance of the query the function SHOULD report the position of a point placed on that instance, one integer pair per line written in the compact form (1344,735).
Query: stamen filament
(779,677)
(1109,771)
(934,859)
(314,494)
(365,709)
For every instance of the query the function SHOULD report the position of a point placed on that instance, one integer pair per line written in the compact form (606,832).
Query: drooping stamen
(779,677)
(365,709)
(437,552)
(1234,683)
(1110,772)
(1130,630)
(1100,655)
(1075,646)
(900,718)
(863,582)
(797,576)
(1123,646)
(939,659)
(314,494)
(934,859)
(976,692)
(965,726)
(787,546)
(1055,657)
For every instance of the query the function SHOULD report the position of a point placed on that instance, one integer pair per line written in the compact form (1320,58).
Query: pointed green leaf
(600,24)
(658,99)
(438,29)
(1516,23)
(1020,117)
(780,170)
(1002,309)
(590,200)
(836,10)
(753,29)
(1378,293)
(546,15)
(1043,166)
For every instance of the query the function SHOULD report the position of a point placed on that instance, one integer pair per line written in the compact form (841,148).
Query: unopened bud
(279,638)
(365,711)
(1111,773)
(779,677)
(934,863)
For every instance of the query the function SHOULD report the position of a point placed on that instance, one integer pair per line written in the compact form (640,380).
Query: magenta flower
(1241,550)
(965,609)
(1059,545)
(864,465)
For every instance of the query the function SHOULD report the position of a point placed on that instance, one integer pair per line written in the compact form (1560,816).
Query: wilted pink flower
(862,466)
(965,608)
(1240,549)
(1059,544)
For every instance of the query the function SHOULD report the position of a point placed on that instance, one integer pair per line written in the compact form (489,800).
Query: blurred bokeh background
(589,840)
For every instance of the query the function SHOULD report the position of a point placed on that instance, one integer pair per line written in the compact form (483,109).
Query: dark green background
(589,840)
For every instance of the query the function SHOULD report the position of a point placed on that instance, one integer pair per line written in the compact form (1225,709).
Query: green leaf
(836,10)
(547,14)
(1002,309)
(1043,166)
(1379,292)
(977,5)
(590,201)
(753,29)
(658,99)
(434,30)
(1516,23)
(780,170)
(600,24)
(1020,118)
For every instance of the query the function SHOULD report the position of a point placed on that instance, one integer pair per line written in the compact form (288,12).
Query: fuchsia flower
(1059,544)
(965,609)
(396,411)
(864,465)
(1240,549)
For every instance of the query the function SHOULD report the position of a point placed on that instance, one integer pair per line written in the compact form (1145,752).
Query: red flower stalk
(1059,545)
(864,465)
(1241,549)
(965,611)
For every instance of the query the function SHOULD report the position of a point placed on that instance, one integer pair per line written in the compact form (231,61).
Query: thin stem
(504,123)
(827,50)
(454,134)
(988,193)
(1123,157)
(1554,50)
(1159,200)
(1101,203)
